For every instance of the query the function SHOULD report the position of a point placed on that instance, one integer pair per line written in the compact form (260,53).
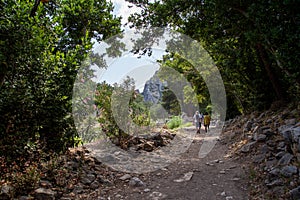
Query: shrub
(175,122)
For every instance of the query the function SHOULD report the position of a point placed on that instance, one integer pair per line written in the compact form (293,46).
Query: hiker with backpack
(198,120)
(206,121)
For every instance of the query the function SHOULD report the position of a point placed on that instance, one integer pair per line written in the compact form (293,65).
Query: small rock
(209,164)
(275,172)
(261,138)
(223,194)
(88,179)
(276,182)
(280,154)
(259,158)
(293,184)
(136,182)
(78,189)
(261,115)
(73,165)
(268,121)
(187,176)
(288,171)
(281,145)
(290,121)
(278,190)
(271,163)
(157,195)
(247,126)
(125,177)
(95,185)
(290,134)
(25,198)
(286,159)
(295,193)
(264,149)
(118,196)
(229,198)
(295,132)
(107,182)
(44,194)
(6,192)
(247,147)
(222,172)
(147,190)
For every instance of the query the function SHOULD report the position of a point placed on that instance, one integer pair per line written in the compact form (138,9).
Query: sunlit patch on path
(132,161)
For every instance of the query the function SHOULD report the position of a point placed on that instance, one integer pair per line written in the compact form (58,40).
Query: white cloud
(121,9)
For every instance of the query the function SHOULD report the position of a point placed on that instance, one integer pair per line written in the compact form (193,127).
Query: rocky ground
(268,143)
(256,157)
(217,176)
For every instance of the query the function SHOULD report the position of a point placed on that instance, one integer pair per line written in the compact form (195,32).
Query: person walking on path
(197,120)
(206,121)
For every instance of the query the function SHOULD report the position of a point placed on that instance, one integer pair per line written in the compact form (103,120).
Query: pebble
(118,196)
(136,182)
(186,177)
(125,177)
(147,190)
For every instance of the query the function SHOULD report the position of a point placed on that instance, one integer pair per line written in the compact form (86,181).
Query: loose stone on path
(187,176)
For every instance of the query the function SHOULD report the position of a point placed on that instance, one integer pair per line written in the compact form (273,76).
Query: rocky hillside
(77,174)
(269,142)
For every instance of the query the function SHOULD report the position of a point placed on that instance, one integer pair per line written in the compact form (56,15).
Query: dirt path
(215,177)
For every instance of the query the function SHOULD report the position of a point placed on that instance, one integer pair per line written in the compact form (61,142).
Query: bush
(175,122)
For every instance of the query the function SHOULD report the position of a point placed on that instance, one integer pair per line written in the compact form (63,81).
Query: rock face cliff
(153,90)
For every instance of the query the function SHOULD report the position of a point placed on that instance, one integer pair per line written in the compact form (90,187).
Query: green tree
(40,56)
(123,112)
(254,44)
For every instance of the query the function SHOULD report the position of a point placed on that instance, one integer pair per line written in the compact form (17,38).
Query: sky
(140,69)
(122,9)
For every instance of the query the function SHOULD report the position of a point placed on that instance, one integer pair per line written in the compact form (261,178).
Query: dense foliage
(254,44)
(118,121)
(42,47)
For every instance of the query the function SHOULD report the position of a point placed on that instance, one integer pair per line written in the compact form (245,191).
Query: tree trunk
(2,77)
(272,76)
